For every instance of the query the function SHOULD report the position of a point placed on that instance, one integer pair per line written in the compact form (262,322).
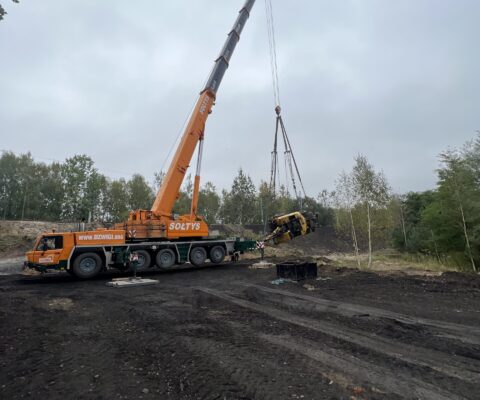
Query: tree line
(75,190)
(442,223)
(445,222)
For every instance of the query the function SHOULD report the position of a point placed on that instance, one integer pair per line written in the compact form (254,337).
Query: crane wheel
(87,265)
(144,259)
(217,254)
(198,255)
(165,258)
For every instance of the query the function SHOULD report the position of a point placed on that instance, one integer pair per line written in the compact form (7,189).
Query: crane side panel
(104,237)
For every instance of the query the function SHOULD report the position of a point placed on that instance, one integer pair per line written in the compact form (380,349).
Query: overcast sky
(398,81)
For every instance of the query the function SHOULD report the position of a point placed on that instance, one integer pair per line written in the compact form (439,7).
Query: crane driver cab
(50,243)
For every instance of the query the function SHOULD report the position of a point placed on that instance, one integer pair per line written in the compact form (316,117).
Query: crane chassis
(86,254)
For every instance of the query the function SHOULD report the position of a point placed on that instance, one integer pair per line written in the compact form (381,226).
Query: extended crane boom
(158,221)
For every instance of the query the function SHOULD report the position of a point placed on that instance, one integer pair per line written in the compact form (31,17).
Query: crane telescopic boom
(158,222)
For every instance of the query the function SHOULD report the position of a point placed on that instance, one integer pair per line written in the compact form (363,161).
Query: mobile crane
(156,236)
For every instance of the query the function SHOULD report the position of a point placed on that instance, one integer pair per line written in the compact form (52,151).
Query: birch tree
(372,190)
(457,182)
(158,178)
(398,208)
(345,198)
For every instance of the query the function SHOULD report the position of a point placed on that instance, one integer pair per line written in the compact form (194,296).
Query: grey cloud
(396,81)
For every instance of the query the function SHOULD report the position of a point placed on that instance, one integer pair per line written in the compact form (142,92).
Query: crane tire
(198,255)
(217,254)
(165,258)
(87,265)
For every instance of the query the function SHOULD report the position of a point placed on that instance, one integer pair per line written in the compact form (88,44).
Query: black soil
(227,332)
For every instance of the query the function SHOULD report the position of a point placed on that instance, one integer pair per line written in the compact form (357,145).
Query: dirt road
(228,333)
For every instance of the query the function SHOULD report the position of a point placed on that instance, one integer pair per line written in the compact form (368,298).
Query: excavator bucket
(284,228)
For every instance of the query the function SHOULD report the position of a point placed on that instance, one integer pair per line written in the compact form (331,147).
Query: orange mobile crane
(154,234)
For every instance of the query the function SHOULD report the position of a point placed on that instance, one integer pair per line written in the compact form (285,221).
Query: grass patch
(391,260)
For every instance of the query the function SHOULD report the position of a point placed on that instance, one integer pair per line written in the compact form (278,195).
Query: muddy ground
(227,332)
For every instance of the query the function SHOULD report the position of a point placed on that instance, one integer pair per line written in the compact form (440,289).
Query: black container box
(297,271)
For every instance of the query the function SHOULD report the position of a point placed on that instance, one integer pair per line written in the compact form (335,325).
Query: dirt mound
(17,236)
(230,230)
(323,241)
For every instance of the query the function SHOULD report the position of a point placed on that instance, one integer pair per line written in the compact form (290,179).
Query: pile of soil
(323,241)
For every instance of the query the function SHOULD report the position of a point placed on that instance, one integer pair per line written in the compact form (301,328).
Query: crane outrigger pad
(129,282)
(262,265)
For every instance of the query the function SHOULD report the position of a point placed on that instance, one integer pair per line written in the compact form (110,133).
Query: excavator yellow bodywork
(284,228)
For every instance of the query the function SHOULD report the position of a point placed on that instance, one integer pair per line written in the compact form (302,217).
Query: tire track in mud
(177,351)
(185,344)
(364,371)
(265,370)
(311,380)
(250,370)
(45,362)
(221,359)
(456,366)
(203,358)
(449,329)
(381,376)
(86,353)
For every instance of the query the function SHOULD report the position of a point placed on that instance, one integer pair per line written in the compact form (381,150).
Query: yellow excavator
(284,228)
